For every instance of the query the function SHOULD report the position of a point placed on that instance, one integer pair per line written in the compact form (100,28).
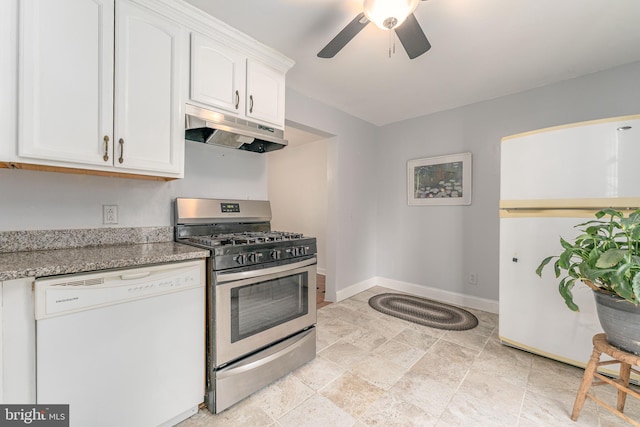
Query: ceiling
(481,49)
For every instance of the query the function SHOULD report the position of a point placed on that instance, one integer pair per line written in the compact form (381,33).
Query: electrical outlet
(109,214)
(473,278)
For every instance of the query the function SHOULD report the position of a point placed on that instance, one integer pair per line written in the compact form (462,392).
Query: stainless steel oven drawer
(238,380)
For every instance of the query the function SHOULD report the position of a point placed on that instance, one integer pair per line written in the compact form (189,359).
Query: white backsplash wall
(298,192)
(439,246)
(31,200)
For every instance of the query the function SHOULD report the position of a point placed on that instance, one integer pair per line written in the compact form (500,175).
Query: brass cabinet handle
(237,99)
(106,148)
(251,103)
(121,159)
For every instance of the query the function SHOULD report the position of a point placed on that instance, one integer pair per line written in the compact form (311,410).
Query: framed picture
(443,180)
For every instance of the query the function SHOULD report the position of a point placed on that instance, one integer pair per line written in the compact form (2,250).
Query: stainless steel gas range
(261,295)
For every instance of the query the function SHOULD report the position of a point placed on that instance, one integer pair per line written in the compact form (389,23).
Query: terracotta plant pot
(620,321)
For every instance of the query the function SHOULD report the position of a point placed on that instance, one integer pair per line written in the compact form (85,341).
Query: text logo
(34,415)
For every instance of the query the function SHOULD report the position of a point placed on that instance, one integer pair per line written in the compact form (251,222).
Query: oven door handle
(228,277)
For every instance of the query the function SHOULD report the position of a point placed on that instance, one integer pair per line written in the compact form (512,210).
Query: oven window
(263,305)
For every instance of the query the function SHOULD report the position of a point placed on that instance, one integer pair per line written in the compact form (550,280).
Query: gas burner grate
(246,238)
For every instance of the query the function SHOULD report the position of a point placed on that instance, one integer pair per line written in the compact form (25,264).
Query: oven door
(254,309)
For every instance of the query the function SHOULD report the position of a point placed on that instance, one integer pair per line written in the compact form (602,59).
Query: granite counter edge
(53,269)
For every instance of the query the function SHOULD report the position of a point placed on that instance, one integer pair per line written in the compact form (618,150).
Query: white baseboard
(356,288)
(455,298)
(322,271)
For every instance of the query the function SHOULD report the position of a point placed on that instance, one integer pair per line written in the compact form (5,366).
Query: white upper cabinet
(67,69)
(100,86)
(66,80)
(149,106)
(266,91)
(217,75)
(227,80)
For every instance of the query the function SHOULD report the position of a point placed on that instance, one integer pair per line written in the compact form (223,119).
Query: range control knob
(276,254)
(254,256)
(302,250)
(292,251)
(240,258)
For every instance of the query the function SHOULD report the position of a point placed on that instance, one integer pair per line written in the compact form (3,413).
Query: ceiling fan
(394,15)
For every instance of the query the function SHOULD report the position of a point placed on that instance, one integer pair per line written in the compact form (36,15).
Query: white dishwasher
(123,347)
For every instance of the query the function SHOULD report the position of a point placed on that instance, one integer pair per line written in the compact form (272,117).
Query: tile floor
(376,370)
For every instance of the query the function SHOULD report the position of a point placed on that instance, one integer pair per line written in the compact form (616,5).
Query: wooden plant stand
(626,361)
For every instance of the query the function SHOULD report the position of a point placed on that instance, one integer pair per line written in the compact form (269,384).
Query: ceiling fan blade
(412,37)
(344,36)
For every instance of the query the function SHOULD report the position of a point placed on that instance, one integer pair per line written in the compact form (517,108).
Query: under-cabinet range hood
(215,128)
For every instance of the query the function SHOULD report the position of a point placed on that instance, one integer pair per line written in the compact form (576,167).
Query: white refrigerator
(551,180)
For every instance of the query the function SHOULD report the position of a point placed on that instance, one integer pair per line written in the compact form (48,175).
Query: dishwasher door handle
(135,275)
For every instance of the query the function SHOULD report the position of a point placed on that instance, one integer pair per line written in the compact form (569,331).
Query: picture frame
(442,180)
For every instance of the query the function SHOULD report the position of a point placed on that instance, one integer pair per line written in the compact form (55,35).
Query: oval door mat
(424,312)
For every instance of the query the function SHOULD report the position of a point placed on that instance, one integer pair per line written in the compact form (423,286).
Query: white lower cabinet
(70,54)
(18,342)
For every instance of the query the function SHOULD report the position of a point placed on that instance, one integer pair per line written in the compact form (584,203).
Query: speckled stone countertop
(77,259)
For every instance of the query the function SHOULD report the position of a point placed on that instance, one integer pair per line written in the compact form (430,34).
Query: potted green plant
(605,256)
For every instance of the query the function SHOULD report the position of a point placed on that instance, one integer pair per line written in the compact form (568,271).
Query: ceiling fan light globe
(383,13)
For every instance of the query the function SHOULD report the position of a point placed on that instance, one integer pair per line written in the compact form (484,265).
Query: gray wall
(31,200)
(439,246)
(351,190)
(298,192)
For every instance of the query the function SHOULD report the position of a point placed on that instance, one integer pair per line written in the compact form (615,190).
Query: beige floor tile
(282,396)
(471,412)
(554,409)
(399,353)
(318,373)
(388,411)
(475,338)
(338,327)
(357,305)
(352,394)
(549,376)
(508,363)
(343,353)
(447,362)
(378,371)
(318,411)
(487,398)
(366,336)
(343,312)
(430,394)
(416,338)
(243,413)
(363,296)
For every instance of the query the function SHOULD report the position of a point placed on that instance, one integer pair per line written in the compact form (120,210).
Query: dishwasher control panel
(60,295)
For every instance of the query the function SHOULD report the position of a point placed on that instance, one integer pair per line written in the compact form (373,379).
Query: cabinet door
(18,342)
(149,100)
(265,93)
(65,79)
(217,75)
(8,79)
